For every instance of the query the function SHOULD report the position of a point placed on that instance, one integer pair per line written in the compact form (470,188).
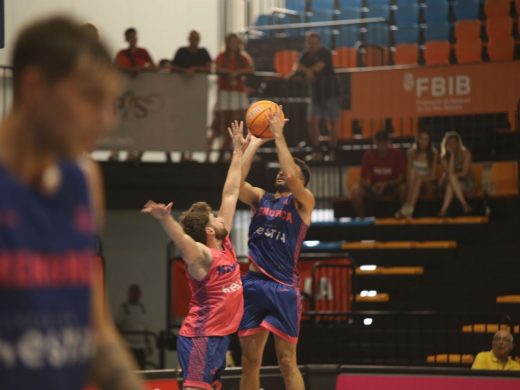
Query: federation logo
(408,82)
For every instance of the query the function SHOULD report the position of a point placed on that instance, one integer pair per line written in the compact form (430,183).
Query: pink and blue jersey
(276,234)
(46,258)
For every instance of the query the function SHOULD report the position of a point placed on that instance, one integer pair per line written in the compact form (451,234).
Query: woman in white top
(458,180)
(422,161)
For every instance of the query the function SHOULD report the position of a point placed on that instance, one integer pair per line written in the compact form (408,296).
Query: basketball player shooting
(213,274)
(271,287)
(55,331)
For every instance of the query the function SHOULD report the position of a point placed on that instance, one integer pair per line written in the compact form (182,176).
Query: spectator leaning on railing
(133,58)
(498,358)
(316,65)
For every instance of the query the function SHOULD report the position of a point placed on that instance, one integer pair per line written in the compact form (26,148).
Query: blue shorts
(328,109)
(202,360)
(269,305)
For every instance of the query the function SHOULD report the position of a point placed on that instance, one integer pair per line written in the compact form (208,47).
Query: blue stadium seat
(348,36)
(325,5)
(378,11)
(466,9)
(350,13)
(264,20)
(400,3)
(321,16)
(436,11)
(407,15)
(407,34)
(288,19)
(378,2)
(296,5)
(377,34)
(437,32)
(350,3)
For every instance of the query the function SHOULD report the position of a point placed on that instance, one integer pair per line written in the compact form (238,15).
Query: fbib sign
(459,85)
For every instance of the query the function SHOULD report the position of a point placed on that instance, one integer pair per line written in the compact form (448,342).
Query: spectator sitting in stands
(192,59)
(382,174)
(458,179)
(316,64)
(233,64)
(498,358)
(422,162)
(131,317)
(133,58)
(165,66)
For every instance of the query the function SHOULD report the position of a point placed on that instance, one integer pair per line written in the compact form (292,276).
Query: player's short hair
(194,221)
(129,31)
(306,171)
(55,46)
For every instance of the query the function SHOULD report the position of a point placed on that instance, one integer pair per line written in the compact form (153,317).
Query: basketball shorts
(202,360)
(269,305)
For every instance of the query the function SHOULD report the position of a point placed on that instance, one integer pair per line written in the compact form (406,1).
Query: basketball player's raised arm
(249,194)
(191,251)
(234,176)
(301,194)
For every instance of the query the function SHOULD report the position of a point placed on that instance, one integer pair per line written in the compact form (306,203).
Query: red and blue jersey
(276,235)
(217,301)
(46,258)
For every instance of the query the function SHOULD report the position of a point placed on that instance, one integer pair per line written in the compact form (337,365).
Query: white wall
(162,25)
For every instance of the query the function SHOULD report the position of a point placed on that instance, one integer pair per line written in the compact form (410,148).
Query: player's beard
(282,188)
(220,233)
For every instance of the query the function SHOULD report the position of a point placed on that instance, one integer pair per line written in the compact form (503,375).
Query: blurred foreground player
(213,274)
(54,330)
(271,287)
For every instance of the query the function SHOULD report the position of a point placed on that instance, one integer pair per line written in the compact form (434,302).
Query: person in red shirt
(213,273)
(382,174)
(232,65)
(133,58)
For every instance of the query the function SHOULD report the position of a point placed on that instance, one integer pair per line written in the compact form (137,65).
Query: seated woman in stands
(422,159)
(457,179)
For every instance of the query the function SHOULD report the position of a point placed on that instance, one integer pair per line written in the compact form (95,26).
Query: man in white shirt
(131,320)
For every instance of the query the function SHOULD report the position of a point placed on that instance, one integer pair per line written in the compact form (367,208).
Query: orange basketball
(256,118)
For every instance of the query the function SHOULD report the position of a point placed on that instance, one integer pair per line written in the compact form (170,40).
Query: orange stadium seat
(497,8)
(352,176)
(468,51)
(405,127)
(437,53)
(375,56)
(467,29)
(509,299)
(284,61)
(499,28)
(501,49)
(488,328)
(504,179)
(451,358)
(344,57)
(406,54)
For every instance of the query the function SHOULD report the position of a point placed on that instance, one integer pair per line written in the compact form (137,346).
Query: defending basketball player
(271,287)
(213,274)
(54,328)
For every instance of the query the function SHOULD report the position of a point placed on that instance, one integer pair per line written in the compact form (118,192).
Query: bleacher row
(400,32)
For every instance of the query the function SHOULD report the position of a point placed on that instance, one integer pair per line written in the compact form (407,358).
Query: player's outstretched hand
(236,132)
(157,210)
(276,121)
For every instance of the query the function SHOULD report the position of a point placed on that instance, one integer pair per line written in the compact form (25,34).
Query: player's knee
(287,361)
(251,360)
